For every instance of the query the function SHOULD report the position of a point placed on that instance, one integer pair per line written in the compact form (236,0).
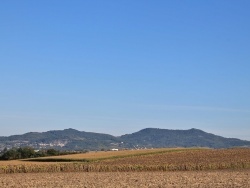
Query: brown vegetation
(186,160)
(173,160)
(115,154)
(158,168)
(238,178)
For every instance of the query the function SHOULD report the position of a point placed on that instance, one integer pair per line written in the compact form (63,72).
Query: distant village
(59,144)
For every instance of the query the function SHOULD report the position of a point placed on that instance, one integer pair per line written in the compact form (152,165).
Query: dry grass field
(161,160)
(90,156)
(218,179)
(116,154)
(144,168)
(187,160)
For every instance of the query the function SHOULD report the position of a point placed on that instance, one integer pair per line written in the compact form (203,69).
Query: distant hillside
(71,139)
(152,137)
(68,139)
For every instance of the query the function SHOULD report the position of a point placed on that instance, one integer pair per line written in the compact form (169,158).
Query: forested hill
(71,139)
(152,137)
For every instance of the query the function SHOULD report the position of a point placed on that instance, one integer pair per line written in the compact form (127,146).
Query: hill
(71,139)
(152,137)
(67,139)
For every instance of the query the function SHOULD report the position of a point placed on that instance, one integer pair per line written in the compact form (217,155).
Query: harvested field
(239,178)
(90,156)
(172,160)
(188,160)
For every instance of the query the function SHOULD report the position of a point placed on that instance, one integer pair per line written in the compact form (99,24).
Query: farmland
(177,159)
(129,179)
(187,160)
(195,167)
(103,155)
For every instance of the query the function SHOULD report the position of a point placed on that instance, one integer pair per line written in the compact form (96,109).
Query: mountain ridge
(72,139)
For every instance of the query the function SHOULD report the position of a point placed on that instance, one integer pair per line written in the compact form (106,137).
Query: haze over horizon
(117,67)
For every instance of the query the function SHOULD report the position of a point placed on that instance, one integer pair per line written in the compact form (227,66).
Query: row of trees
(27,152)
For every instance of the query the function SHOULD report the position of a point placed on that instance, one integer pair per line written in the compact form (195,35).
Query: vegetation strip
(50,159)
(188,160)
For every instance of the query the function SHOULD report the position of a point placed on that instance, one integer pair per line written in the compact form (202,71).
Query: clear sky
(120,66)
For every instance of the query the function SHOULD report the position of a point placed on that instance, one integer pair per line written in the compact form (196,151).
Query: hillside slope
(67,139)
(152,137)
(71,139)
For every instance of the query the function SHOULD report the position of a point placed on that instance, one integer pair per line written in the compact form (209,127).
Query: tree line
(28,152)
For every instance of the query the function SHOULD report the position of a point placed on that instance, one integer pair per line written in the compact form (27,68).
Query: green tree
(26,152)
(10,154)
(52,152)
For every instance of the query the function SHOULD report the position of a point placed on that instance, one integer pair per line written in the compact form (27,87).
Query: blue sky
(120,66)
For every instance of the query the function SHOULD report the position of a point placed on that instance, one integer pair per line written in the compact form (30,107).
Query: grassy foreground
(137,161)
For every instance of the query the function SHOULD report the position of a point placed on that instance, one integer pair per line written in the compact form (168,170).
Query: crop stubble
(173,168)
(184,160)
(188,160)
(223,178)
